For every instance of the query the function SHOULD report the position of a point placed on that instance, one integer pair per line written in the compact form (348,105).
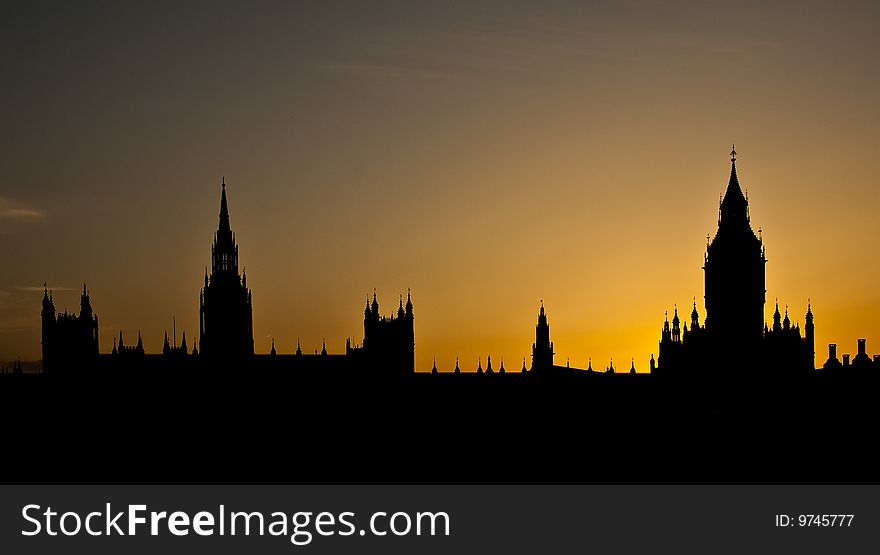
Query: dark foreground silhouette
(437,429)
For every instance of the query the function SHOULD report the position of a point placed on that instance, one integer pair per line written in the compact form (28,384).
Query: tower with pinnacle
(225,305)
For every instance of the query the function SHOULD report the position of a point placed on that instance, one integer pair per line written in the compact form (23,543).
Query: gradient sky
(486,154)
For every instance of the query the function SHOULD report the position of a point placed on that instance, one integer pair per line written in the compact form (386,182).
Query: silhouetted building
(226,330)
(542,348)
(69,339)
(861,362)
(734,267)
(389,342)
(734,335)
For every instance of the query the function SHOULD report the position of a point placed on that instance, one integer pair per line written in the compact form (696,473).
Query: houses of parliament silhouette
(733,337)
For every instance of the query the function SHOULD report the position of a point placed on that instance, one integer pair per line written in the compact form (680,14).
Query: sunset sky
(485,154)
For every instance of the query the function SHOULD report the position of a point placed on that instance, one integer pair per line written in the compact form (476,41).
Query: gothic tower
(389,343)
(542,348)
(225,313)
(48,339)
(734,267)
(810,339)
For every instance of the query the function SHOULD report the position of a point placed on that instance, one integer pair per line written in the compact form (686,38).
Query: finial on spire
(733,153)
(223,182)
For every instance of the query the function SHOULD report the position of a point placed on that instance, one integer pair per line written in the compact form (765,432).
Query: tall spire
(734,206)
(224,209)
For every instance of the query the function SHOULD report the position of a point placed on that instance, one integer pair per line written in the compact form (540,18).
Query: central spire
(224,209)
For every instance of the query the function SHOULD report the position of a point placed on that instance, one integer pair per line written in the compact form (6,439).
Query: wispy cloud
(40,288)
(16,211)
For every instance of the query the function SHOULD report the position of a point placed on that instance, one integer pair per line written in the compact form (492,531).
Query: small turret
(810,337)
(85,305)
(676,326)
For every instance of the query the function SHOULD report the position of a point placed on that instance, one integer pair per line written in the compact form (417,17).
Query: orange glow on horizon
(575,156)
